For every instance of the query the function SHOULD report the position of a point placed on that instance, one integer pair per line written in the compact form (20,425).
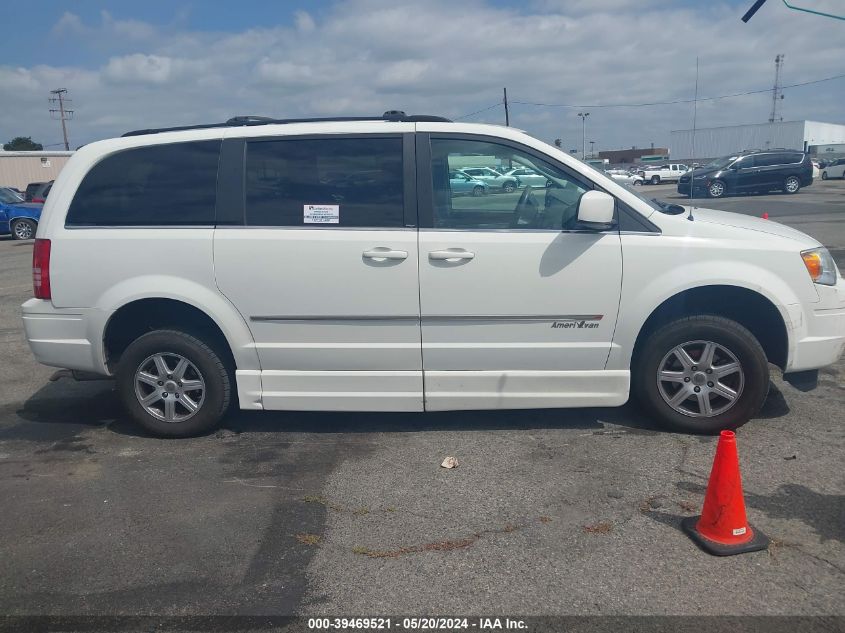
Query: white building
(721,141)
(18,169)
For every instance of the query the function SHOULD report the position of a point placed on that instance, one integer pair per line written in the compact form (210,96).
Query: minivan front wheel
(701,374)
(173,384)
(716,189)
(23,229)
(791,184)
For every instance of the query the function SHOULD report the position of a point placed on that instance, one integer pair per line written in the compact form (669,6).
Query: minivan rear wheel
(701,374)
(23,229)
(173,384)
(792,184)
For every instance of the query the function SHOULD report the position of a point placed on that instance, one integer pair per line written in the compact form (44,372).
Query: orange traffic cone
(722,529)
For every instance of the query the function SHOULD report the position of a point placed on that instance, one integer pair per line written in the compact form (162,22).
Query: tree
(22,144)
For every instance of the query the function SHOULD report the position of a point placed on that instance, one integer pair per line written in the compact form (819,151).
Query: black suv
(757,171)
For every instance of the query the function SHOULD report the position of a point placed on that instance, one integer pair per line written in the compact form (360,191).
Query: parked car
(38,191)
(526,176)
(625,177)
(460,183)
(492,178)
(16,191)
(747,172)
(12,194)
(18,218)
(816,168)
(664,173)
(289,291)
(834,169)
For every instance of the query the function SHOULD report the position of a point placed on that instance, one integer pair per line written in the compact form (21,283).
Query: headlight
(820,265)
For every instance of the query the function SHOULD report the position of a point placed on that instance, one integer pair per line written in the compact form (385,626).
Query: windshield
(9,197)
(720,163)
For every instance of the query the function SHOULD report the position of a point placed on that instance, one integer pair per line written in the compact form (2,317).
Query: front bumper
(818,329)
(683,188)
(65,337)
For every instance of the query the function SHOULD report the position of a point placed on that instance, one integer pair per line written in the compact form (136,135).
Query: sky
(130,65)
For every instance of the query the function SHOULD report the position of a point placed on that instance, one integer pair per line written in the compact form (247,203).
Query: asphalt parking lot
(550,512)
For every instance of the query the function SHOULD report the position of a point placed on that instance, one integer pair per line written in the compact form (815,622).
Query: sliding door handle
(450,255)
(382,253)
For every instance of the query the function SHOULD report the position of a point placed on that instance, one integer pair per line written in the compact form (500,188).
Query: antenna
(777,90)
(694,121)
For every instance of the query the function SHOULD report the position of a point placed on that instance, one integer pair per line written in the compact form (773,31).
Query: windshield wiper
(669,208)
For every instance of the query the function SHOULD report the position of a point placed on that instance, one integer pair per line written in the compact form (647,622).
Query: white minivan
(327,265)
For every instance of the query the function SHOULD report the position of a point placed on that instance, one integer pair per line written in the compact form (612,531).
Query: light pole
(584,116)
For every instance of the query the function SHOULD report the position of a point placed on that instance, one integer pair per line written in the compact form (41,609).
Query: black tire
(724,332)
(509,187)
(791,184)
(824,175)
(478,191)
(23,229)
(212,370)
(655,180)
(717,189)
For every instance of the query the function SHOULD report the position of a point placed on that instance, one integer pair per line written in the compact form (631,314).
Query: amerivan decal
(578,322)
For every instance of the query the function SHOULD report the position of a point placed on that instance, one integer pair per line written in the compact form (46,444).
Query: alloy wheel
(169,387)
(717,189)
(700,379)
(23,230)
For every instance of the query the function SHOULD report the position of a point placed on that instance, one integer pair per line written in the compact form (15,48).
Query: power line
(490,107)
(656,103)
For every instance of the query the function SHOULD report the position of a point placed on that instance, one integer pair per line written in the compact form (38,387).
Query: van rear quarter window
(159,185)
(359,181)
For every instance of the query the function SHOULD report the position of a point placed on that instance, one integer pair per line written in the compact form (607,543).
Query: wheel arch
(142,314)
(749,308)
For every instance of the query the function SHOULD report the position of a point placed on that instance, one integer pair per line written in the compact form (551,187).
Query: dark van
(750,172)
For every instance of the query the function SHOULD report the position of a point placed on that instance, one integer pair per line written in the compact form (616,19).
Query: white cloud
(146,68)
(304,22)
(439,57)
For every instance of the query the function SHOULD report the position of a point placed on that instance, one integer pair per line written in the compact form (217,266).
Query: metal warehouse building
(18,169)
(720,141)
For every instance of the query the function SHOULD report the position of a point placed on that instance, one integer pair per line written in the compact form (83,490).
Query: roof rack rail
(249,120)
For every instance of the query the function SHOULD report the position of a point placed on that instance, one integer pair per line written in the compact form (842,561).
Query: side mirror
(595,210)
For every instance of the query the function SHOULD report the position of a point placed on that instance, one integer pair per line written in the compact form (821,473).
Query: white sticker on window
(321,214)
(739,531)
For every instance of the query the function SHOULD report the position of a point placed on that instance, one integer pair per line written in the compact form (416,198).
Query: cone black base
(759,541)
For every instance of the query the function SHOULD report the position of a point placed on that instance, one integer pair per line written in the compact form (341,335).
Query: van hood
(737,220)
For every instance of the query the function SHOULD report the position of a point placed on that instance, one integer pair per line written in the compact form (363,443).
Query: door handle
(449,255)
(382,253)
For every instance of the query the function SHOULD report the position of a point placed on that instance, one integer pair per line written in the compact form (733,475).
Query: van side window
(326,182)
(157,185)
(544,196)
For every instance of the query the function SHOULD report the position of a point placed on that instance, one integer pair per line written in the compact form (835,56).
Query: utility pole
(584,116)
(507,113)
(777,91)
(62,113)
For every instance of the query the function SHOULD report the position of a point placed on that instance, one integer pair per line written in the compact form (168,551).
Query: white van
(327,265)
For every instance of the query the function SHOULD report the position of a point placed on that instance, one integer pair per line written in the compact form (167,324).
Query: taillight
(41,200)
(41,269)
